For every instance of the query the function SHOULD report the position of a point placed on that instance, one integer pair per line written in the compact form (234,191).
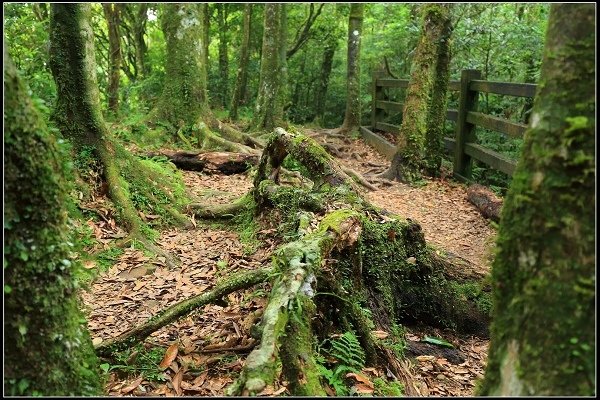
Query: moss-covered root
(176,311)
(359,178)
(208,140)
(323,169)
(234,135)
(227,210)
(297,263)
(127,212)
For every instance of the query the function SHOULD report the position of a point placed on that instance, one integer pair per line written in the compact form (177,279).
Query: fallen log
(227,163)
(488,204)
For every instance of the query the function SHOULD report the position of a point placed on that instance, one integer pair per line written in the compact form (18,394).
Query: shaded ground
(204,352)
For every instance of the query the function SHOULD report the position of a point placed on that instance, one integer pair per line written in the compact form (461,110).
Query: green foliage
(387,388)
(138,361)
(348,356)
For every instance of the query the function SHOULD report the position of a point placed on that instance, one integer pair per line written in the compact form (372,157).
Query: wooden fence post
(377,94)
(465,132)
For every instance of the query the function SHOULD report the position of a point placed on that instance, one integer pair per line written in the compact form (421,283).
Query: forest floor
(203,353)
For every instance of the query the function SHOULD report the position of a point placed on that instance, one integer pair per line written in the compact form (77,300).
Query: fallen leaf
(133,385)
(425,358)
(360,378)
(362,388)
(380,334)
(96,341)
(177,381)
(170,356)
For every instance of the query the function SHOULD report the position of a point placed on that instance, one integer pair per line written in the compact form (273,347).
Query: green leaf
(22,329)
(24,256)
(23,385)
(7,289)
(437,341)
(105,367)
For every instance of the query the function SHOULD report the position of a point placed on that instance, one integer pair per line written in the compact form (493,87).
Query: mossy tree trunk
(48,350)
(436,115)
(184,97)
(139,31)
(543,334)
(239,93)
(352,115)
(326,66)
(269,110)
(408,161)
(78,115)
(222,14)
(112,13)
(206,13)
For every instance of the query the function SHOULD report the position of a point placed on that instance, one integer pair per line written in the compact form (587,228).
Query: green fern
(350,357)
(348,351)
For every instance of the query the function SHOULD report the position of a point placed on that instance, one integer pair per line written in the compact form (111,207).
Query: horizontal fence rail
(464,145)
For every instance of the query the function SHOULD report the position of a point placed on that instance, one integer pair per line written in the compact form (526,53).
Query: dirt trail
(137,286)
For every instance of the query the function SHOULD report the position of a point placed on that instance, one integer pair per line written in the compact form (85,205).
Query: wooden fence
(464,145)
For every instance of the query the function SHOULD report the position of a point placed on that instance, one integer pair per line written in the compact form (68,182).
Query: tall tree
(543,331)
(47,350)
(184,95)
(326,65)
(352,116)
(408,160)
(112,13)
(436,114)
(269,108)
(222,14)
(239,92)
(78,116)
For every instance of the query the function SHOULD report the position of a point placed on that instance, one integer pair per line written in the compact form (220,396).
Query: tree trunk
(282,93)
(78,116)
(112,13)
(352,116)
(268,112)
(226,163)
(436,115)
(48,352)
(543,334)
(205,11)
(139,30)
(326,65)
(184,98)
(408,160)
(242,76)
(223,55)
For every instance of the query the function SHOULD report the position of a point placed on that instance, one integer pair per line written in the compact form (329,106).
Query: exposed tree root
(234,135)
(359,178)
(127,212)
(227,210)
(176,311)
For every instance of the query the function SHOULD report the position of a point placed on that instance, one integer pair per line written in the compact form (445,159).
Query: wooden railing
(464,144)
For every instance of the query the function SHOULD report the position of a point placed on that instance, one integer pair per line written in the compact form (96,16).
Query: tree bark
(206,13)
(436,115)
(352,115)
(139,31)
(543,334)
(48,351)
(222,13)
(112,13)
(269,112)
(326,65)
(239,92)
(184,98)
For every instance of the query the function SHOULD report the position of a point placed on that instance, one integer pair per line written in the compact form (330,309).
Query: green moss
(50,350)
(387,388)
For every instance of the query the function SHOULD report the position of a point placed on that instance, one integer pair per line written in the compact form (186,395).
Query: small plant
(349,356)
(138,361)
